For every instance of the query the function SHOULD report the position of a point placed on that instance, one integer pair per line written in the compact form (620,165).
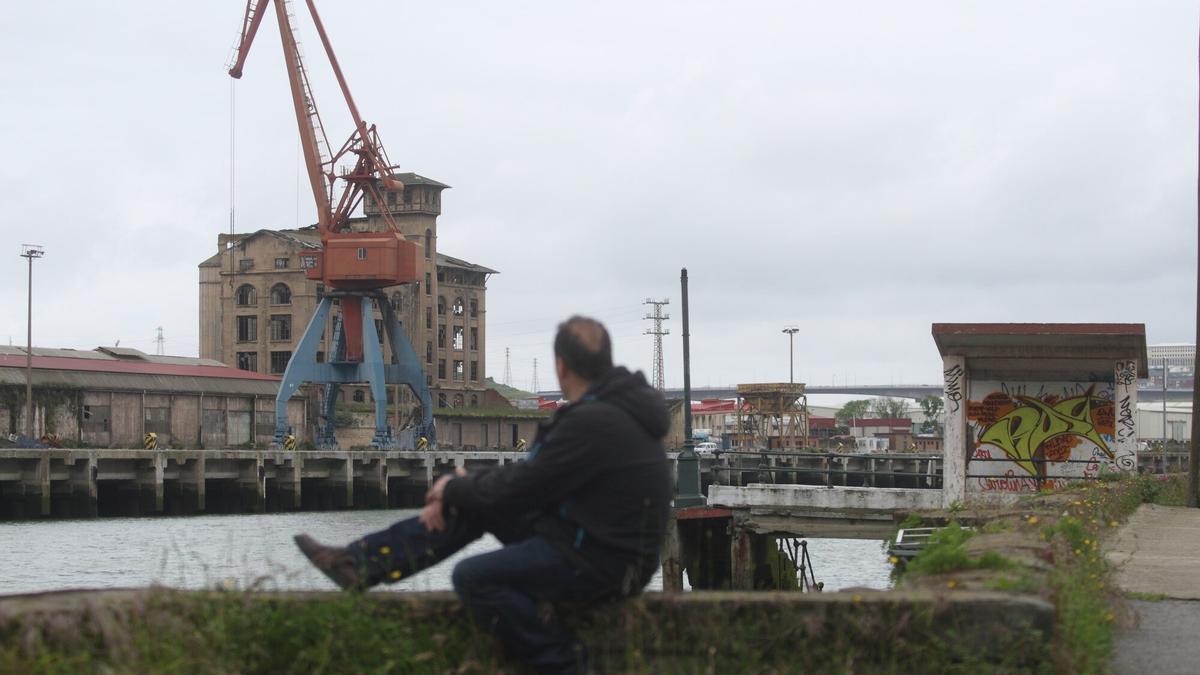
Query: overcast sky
(860,170)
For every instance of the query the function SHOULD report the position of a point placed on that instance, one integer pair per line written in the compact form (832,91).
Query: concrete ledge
(684,632)
(817,497)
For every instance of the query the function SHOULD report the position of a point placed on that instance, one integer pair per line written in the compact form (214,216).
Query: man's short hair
(584,346)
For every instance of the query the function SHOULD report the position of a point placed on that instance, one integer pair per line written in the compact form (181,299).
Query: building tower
(658,332)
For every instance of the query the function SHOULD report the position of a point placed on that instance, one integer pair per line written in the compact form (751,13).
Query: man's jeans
(501,589)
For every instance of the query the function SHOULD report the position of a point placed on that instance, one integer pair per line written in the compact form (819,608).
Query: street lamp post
(791,333)
(29,252)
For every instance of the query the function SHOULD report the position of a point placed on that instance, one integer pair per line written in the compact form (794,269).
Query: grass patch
(1148,597)
(946,552)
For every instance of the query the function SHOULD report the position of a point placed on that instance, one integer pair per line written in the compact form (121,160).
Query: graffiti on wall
(1031,436)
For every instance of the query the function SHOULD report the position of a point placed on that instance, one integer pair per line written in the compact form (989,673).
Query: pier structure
(38,483)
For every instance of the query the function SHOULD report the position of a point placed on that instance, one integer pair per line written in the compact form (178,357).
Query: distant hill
(510,393)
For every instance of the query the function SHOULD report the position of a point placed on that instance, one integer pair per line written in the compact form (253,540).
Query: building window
(458,400)
(407,195)
(281,327)
(247,328)
(441,276)
(474,371)
(246,296)
(441,306)
(428,380)
(247,361)
(458,337)
(281,263)
(428,243)
(458,307)
(458,371)
(441,369)
(281,295)
(279,361)
(320,291)
(474,337)
(428,285)
(95,417)
(428,352)
(397,301)
(428,317)
(246,264)
(320,357)
(358,396)
(456,278)
(442,400)
(475,404)
(391,198)
(362,253)
(441,337)
(474,308)
(379,329)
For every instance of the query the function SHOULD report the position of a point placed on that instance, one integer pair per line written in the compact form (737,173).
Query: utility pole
(1194,451)
(534,385)
(791,333)
(507,369)
(29,252)
(1164,372)
(658,332)
(687,492)
(160,342)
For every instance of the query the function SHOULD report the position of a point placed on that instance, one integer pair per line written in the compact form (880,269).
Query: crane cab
(358,260)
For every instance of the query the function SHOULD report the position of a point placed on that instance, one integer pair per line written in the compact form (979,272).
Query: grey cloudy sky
(857,169)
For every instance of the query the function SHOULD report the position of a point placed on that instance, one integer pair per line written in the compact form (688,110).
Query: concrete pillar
(257,479)
(1125,404)
(43,479)
(954,462)
(672,557)
(742,559)
(197,481)
(295,475)
(84,489)
(348,476)
(160,463)
(429,466)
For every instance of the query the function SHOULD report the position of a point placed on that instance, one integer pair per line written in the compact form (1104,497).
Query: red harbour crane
(354,265)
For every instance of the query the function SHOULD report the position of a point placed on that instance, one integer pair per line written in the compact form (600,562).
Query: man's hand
(431,516)
(435,493)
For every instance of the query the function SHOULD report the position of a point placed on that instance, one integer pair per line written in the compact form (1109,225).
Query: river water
(256,551)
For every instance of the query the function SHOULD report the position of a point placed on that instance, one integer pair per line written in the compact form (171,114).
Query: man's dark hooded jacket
(596,483)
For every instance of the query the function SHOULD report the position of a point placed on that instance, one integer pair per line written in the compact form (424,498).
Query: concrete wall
(479,433)
(105,419)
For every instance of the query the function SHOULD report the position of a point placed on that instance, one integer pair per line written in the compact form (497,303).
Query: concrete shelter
(1029,406)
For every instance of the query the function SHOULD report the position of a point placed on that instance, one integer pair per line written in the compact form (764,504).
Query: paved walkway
(1158,553)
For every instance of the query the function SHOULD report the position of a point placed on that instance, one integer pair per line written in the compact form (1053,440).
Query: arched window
(246,295)
(458,307)
(441,306)
(281,295)
(458,400)
(428,243)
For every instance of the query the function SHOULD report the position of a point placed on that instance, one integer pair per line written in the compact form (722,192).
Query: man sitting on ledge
(582,519)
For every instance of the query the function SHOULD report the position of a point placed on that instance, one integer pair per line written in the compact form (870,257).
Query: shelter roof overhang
(1066,351)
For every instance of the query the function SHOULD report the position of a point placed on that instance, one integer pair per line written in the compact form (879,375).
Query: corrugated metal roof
(449,261)
(103,381)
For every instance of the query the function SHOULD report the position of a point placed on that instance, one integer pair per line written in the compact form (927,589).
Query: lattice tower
(507,368)
(534,385)
(658,332)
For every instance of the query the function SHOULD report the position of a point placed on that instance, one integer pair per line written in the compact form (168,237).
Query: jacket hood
(633,394)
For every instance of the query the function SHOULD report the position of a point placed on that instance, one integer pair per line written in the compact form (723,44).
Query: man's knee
(467,576)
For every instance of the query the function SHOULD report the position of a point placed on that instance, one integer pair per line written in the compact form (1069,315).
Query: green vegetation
(249,633)
(946,552)
(492,412)
(510,393)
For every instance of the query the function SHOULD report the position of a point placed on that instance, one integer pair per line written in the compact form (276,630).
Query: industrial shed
(111,397)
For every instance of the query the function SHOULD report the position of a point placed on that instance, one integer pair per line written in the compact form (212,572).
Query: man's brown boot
(335,562)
